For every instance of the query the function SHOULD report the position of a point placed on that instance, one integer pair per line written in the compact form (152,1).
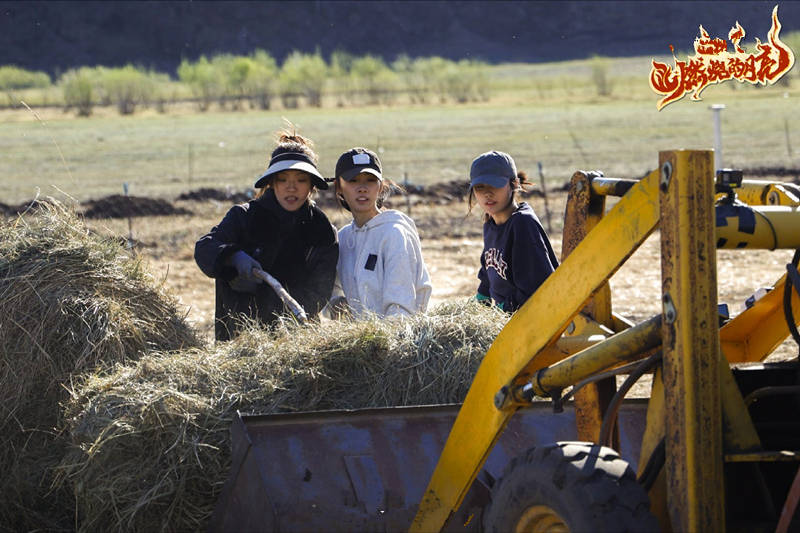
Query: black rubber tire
(589,487)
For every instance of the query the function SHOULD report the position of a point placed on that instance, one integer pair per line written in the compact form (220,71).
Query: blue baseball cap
(493,168)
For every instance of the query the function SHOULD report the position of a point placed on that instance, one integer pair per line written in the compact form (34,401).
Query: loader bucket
(367,469)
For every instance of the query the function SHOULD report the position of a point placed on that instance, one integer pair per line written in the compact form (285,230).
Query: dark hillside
(54,36)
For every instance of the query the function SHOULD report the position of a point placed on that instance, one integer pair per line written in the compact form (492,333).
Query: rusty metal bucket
(366,470)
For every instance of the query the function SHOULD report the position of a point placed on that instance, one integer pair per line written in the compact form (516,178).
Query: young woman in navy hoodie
(517,255)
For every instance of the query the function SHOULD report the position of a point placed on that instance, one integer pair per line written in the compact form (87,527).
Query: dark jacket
(517,258)
(300,249)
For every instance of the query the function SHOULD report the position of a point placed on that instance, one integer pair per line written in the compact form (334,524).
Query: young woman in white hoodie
(380,269)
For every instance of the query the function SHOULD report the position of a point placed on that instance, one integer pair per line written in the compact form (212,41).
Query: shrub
(303,75)
(78,91)
(162,88)
(479,72)
(127,87)
(433,71)
(202,78)
(262,79)
(373,79)
(341,63)
(600,67)
(233,72)
(465,81)
(13,78)
(412,77)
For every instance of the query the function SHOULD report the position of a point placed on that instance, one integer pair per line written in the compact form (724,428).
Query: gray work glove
(244,265)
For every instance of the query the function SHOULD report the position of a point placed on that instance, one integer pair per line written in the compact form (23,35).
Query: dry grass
(73,303)
(151,440)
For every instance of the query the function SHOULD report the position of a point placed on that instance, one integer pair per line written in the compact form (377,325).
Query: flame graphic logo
(712,63)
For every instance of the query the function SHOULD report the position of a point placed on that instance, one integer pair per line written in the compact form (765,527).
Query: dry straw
(73,302)
(152,445)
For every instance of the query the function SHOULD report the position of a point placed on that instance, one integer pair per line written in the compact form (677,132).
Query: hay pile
(73,302)
(152,446)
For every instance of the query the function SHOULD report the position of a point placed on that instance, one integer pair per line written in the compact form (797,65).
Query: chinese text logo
(713,63)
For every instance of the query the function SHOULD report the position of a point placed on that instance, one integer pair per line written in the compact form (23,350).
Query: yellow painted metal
(581,333)
(620,323)
(738,432)
(773,227)
(540,519)
(585,208)
(575,343)
(694,474)
(755,333)
(653,435)
(628,345)
(761,192)
(611,186)
(655,427)
(513,352)
(783,194)
(769,456)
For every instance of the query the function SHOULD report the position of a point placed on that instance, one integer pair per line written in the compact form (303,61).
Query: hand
(244,265)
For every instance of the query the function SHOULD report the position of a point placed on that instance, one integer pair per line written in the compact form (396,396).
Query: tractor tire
(568,486)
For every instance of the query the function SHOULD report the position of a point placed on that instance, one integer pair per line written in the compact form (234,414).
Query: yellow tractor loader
(544,440)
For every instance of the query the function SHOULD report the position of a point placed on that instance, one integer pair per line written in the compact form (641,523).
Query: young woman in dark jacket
(282,232)
(517,255)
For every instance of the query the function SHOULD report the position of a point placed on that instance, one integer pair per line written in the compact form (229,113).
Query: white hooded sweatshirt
(380,267)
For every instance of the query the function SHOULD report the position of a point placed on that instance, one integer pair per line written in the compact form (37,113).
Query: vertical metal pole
(694,467)
(716,109)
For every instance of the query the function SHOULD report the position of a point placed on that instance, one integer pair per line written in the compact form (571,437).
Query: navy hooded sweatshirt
(517,258)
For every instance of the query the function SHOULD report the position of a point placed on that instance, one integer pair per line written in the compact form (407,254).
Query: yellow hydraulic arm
(528,342)
(513,354)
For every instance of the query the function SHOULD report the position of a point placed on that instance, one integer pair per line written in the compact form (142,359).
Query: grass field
(539,113)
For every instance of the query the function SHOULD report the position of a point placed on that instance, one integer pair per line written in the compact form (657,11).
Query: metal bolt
(571,328)
(773,198)
(670,314)
(500,397)
(666,175)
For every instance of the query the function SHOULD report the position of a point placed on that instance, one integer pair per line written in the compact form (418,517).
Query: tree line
(257,81)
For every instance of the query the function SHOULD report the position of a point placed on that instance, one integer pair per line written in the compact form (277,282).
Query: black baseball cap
(357,160)
(493,168)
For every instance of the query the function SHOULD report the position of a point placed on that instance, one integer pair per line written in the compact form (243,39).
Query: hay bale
(73,302)
(152,446)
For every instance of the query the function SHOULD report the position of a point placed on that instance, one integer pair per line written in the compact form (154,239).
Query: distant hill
(54,36)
